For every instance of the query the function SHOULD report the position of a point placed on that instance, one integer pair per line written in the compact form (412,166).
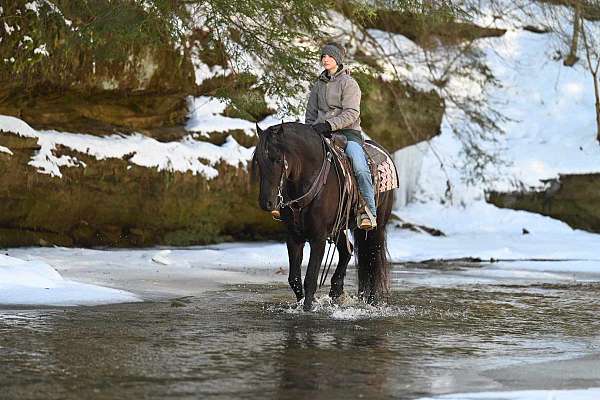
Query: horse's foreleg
(317,250)
(344,255)
(295,249)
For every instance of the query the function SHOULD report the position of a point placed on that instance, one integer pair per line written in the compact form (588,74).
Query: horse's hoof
(335,294)
(307,305)
(374,299)
(341,298)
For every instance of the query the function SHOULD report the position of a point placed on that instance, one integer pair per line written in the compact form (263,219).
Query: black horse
(288,159)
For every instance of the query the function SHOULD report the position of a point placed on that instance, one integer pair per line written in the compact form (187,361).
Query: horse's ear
(258,130)
(279,129)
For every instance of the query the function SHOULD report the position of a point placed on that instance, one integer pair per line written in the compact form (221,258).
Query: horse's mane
(283,137)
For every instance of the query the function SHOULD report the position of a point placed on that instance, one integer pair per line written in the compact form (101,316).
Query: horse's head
(268,164)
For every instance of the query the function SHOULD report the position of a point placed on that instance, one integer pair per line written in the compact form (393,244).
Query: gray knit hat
(334,50)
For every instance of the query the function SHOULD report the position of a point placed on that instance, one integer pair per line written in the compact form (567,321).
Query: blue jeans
(363,175)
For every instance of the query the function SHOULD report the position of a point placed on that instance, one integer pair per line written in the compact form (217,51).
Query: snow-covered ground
(36,282)
(550,252)
(550,128)
(487,232)
(581,394)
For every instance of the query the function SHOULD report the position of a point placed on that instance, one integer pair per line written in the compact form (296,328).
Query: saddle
(383,174)
(381,164)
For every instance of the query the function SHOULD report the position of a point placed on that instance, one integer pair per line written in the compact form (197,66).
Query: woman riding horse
(299,183)
(334,107)
(296,177)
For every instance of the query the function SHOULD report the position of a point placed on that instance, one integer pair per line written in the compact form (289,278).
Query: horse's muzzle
(269,205)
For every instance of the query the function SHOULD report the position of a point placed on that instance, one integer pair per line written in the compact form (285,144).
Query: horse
(289,161)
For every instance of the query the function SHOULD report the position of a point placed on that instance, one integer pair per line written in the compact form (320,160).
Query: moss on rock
(97,113)
(246,101)
(574,199)
(91,80)
(114,203)
(397,115)
(437,28)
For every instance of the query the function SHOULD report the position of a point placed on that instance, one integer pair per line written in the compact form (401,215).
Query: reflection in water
(249,343)
(339,361)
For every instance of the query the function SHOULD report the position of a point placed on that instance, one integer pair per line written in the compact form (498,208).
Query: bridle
(346,200)
(284,174)
(297,204)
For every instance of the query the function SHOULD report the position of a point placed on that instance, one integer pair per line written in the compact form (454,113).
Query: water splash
(352,308)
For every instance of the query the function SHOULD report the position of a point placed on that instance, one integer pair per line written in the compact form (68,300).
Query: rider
(334,107)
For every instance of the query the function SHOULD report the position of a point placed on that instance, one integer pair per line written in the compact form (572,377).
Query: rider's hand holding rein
(323,128)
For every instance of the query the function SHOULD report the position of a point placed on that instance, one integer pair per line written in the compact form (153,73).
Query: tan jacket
(335,100)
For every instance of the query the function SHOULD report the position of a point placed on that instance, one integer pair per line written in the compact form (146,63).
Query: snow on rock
(186,155)
(37,283)
(5,150)
(41,50)
(408,162)
(33,6)
(205,117)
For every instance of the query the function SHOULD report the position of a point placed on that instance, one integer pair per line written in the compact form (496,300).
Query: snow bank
(574,394)
(550,128)
(484,231)
(37,283)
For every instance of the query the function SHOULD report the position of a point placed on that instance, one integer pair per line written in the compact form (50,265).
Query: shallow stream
(253,342)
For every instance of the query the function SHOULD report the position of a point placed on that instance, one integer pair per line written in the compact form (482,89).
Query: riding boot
(366,220)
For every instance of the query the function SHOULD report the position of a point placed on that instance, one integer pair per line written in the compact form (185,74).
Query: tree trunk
(572,58)
(594,72)
(597,94)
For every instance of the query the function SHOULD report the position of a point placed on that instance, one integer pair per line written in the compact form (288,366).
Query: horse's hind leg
(344,255)
(295,248)
(365,257)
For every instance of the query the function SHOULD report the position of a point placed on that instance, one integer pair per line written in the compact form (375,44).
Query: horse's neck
(306,158)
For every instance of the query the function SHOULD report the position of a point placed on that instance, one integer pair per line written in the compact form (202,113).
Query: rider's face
(329,62)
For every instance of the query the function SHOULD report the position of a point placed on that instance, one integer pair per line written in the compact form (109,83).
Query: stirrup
(276,215)
(366,220)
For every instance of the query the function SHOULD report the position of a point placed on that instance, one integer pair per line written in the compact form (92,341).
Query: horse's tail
(373,265)
(372,255)
(382,275)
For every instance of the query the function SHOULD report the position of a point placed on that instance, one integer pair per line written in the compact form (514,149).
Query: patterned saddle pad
(383,170)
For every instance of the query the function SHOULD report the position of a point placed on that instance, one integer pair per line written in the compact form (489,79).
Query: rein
(297,204)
